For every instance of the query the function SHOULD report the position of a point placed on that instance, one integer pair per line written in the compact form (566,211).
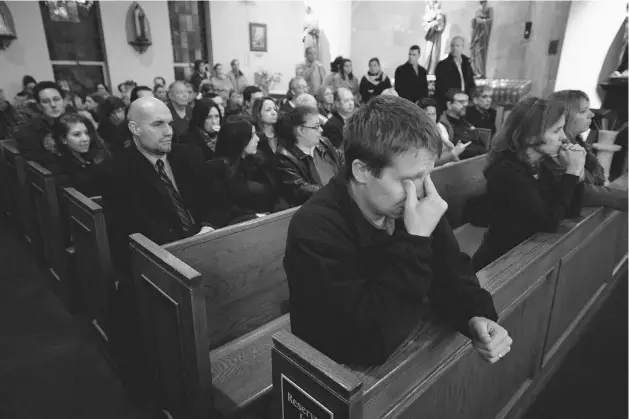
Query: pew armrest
(321,368)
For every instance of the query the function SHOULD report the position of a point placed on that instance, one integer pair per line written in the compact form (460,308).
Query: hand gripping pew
(211,303)
(546,290)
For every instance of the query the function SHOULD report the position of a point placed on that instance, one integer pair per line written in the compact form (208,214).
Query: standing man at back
(410,78)
(453,72)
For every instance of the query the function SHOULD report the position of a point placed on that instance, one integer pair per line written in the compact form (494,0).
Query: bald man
(309,101)
(453,72)
(155,187)
(180,109)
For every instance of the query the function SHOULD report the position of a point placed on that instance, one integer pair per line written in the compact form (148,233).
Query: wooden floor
(51,367)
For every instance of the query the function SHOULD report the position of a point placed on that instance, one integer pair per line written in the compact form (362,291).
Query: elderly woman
(306,161)
(578,120)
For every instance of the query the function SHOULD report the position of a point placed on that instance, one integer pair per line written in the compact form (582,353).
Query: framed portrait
(257,37)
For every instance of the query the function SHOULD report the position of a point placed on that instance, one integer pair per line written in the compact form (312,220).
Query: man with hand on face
(364,252)
(154,187)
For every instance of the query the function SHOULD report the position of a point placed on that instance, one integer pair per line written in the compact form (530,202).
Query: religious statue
(481,30)
(434,24)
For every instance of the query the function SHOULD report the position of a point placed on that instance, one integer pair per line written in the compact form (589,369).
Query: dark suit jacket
(448,77)
(410,85)
(136,200)
(333,129)
(30,141)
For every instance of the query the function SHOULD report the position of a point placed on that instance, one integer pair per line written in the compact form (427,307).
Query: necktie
(184,216)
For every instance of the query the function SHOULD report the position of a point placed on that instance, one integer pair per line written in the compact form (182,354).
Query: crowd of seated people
(254,155)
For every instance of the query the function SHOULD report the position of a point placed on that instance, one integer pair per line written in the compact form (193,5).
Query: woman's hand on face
(573,156)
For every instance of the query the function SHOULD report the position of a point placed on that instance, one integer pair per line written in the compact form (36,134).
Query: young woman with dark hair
(578,121)
(522,196)
(306,161)
(374,82)
(205,125)
(240,176)
(80,150)
(345,78)
(265,116)
(200,74)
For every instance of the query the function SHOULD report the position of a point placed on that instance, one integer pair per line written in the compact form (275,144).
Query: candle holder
(138,29)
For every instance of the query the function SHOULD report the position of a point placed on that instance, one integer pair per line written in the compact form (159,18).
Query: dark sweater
(356,292)
(368,89)
(521,206)
(409,84)
(180,125)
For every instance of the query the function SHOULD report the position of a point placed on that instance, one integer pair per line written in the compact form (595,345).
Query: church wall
(123,61)
(592,27)
(28,54)
(387,29)
(230,36)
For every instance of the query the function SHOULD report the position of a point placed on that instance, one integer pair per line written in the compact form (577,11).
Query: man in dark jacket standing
(410,78)
(365,251)
(454,72)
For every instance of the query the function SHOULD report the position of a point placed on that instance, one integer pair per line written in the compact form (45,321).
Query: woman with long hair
(325,102)
(265,117)
(522,197)
(578,121)
(306,161)
(111,127)
(241,177)
(204,127)
(334,70)
(374,82)
(80,150)
(345,78)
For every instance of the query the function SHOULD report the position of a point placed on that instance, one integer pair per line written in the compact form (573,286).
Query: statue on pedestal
(481,30)
(434,24)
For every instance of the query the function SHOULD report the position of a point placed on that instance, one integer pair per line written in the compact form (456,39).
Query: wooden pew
(93,262)
(19,194)
(546,290)
(52,226)
(224,291)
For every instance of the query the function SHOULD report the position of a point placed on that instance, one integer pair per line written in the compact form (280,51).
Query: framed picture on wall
(257,37)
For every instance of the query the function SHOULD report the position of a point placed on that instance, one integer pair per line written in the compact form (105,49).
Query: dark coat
(478,119)
(368,89)
(521,205)
(196,138)
(459,130)
(333,129)
(136,200)
(410,85)
(250,191)
(297,176)
(447,77)
(180,125)
(35,142)
(80,172)
(356,292)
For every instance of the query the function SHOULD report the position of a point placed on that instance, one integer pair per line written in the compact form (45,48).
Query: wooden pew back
(458,182)
(242,274)
(545,291)
(93,263)
(19,194)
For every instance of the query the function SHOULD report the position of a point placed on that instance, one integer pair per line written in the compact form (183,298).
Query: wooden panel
(580,279)
(93,262)
(172,307)
(243,278)
(17,169)
(44,196)
(455,392)
(458,182)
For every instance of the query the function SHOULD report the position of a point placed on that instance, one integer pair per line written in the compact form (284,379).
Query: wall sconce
(7,26)
(138,29)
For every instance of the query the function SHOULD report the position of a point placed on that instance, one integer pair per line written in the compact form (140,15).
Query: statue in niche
(434,24)
(481,30)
